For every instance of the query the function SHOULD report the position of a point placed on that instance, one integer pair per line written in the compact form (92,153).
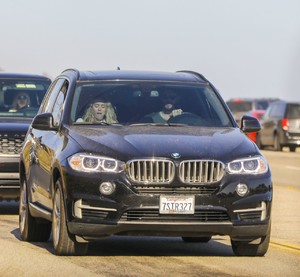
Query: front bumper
(127,212)
(95,231)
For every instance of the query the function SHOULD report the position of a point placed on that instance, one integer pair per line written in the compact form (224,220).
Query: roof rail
(76,71)
(194,73)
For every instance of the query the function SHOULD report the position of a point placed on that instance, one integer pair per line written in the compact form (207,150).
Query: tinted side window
(53,102)
(51,95)
(58,104)
(293,111)
(277,111)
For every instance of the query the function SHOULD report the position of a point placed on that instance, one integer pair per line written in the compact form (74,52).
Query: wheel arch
(57,174)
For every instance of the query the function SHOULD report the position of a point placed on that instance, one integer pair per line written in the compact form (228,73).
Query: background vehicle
(252,106)
(194,176)
(280,126)
(14,125)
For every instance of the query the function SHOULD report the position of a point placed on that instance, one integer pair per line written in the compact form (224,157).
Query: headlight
(92,163)
(255,165)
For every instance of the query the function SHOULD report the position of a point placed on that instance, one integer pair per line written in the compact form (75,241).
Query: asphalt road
(149,256)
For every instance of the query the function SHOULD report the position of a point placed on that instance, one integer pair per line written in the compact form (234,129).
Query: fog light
(107,188)
(242,189)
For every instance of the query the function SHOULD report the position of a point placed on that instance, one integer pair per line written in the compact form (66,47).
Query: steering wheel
(187,118)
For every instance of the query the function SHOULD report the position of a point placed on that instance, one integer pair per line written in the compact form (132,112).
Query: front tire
(258,142)
(64,243)
(277,146)
(30,229)
(242,248)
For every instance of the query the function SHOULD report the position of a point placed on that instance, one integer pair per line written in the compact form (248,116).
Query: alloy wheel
(57,218)
(23,207)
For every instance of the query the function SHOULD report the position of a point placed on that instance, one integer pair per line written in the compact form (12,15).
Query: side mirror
(44,121)
(250,124)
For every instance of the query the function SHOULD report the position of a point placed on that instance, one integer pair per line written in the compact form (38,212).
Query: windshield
(145,103)
(239,106)
(21,98)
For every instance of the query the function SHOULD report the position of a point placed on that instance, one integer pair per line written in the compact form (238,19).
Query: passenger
(100,111)
(169,100)
(21,101)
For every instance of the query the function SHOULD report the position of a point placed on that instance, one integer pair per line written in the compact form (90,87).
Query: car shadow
(147,246)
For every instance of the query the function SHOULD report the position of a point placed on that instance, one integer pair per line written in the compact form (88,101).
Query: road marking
(292,167)
(287,187)
(286,246)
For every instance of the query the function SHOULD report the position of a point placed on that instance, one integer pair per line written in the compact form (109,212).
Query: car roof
(251,99)
(10,75)
(184,76)
(286,102)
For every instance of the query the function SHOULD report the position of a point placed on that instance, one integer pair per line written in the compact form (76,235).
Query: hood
(129,142)
(14,125)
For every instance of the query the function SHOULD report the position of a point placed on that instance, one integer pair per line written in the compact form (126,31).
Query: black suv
(20,98)
(142,153)
(281,126)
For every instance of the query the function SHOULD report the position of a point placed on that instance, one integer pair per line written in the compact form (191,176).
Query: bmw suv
(20,98)
(142,153)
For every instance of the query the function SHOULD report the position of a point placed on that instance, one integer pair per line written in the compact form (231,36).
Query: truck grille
(11,146)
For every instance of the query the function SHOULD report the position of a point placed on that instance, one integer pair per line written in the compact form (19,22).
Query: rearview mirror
(250,124)
(44,121)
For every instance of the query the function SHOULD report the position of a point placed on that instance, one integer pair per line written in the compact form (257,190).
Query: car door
(46,145)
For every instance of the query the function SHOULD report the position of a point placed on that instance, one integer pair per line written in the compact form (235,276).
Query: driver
(169,99)
(21,101)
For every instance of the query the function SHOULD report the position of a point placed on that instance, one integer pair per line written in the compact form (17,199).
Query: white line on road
(292,167)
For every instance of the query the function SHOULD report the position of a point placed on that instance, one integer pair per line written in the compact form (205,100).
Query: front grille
(154,176)
(11,146)
(153,215)
(201,171)
(200,189)
(150,171)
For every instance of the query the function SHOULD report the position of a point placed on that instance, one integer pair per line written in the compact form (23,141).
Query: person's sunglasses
(22,97)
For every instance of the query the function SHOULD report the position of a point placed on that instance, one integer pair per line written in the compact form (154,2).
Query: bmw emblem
(175,155)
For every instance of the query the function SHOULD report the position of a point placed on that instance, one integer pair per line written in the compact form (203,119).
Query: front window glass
(261,105)
(147,103)
(239,106)
(21,98)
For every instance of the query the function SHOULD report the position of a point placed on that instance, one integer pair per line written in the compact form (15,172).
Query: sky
(246,48)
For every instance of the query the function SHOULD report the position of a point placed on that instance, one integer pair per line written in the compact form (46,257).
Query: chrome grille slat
(149,189)
(153,215)
(149,171)
(156,175)
(201,171)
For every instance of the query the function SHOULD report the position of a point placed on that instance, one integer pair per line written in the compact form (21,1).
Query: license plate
(176,204)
